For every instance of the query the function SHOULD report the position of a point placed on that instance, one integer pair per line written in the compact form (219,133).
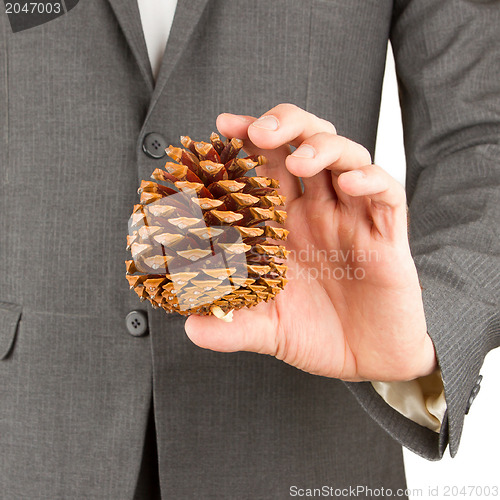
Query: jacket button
(154,145)
(473,394)
(137,323)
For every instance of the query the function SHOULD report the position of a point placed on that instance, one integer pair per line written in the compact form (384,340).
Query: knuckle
(324,138)
(380,171)
(344,145)
(365,155)
(396,190)
(287,107)
(329,126)
(400,192)
(281,345)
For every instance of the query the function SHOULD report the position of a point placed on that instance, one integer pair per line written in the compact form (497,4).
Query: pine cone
(199,240)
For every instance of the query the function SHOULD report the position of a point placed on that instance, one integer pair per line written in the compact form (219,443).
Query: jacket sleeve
(447,55)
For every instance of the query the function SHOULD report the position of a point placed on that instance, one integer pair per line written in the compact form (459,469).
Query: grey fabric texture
(77,98)
(9,319)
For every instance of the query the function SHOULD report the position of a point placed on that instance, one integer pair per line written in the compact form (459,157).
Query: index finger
(286,124)
(231,125)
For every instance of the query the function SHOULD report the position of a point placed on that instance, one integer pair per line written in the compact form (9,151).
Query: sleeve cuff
(421,400)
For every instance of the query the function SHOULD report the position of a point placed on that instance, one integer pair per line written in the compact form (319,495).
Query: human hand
(353,306)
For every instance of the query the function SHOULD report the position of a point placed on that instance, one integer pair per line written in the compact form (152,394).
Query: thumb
(251,330)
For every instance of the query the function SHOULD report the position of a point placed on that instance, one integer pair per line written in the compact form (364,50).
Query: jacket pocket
(10,314)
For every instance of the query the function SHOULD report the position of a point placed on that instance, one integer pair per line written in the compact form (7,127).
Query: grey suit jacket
(76,100)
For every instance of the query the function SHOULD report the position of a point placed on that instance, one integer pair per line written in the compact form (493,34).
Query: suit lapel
(127,13)
(187,16)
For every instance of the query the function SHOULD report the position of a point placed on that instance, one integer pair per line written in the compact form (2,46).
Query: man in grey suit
(78,383)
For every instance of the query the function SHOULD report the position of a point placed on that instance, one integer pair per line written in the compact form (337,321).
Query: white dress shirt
(156,19)
(421,400)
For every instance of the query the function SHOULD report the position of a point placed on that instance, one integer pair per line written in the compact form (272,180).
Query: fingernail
(304,151)
(241,118)
(268,122)
(358,173)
